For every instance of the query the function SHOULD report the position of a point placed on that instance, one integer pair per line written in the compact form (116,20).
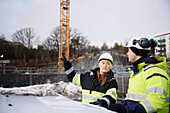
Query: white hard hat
(106,56)
(140,43)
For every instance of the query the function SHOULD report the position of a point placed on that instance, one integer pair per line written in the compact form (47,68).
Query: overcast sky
(100,21)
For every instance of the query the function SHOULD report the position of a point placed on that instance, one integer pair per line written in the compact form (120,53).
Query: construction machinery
(64,32)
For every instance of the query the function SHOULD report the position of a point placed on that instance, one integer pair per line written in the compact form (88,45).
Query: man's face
(131,55)
(104,66)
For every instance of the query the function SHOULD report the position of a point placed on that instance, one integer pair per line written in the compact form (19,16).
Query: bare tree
(2,37)
(26,36)
(55,38)
(47,45)
(51,44)
(78,44)
(84,43)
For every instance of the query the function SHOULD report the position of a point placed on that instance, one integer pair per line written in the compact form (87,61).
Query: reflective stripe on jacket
(76,80)
(88,97)
(91,96)
(91,88)
(150,86)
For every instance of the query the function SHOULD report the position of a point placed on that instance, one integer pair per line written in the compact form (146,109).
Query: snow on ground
(46,98)
(67,89)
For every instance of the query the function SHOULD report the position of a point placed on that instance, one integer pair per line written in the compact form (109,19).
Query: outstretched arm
(69,70)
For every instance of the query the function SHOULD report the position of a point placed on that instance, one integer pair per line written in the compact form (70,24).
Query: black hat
(139,52)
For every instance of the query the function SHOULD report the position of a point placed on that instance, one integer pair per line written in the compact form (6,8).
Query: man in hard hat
(148,90)
(98,86)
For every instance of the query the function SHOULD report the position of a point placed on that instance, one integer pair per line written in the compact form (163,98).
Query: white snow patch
(67,89)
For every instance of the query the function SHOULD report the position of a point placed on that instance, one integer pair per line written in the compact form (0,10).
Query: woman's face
(131,55)
(104,66)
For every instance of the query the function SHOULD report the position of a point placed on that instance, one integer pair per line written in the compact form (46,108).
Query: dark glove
(64,59)
(100,103)
(118,108)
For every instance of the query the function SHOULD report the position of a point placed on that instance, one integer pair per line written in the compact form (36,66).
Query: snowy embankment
(46,98)
(66,89)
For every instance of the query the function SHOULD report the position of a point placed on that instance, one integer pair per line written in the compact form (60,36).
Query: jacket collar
(140,61)
(94,72)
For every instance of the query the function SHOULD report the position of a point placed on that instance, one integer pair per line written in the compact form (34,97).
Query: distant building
(163,48)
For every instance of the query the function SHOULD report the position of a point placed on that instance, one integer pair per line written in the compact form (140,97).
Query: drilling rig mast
(64,32)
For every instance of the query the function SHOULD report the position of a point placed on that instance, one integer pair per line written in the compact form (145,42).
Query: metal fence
(34,70)
(121,73)
(29,70)
(122,79)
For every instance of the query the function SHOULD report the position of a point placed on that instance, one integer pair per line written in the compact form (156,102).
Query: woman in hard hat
(98,86)
(148,90)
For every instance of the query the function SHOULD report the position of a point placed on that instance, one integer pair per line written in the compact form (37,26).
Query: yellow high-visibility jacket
(149,85)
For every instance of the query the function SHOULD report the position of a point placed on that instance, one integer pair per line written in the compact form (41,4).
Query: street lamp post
(1,59)
(2,63)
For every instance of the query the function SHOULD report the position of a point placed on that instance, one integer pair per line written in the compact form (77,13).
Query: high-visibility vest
(92,96)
